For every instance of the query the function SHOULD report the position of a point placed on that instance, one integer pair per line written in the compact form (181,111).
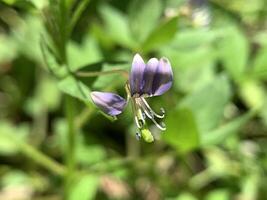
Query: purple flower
(145,80)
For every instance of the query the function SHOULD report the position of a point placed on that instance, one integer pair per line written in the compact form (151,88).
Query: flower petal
(163,78)
(149,75)
(136,76)
(110,103)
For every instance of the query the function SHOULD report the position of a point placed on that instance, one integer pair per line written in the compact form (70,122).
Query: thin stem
(42,159)
(98,73)
(77,13)
(70,153)
(37,156)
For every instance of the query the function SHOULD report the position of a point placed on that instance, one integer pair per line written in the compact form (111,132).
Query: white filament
(144,103)
(148,114)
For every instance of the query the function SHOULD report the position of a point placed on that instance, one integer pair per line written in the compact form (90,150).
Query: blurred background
(55,144)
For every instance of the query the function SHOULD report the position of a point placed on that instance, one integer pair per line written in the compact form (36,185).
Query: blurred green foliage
(55,144)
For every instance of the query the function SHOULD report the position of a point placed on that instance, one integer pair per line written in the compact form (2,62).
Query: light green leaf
(260,64)
(116,24)
(46,97)
(234,51)
(89,154)
(81,55)
(143,17)
(27,37)
(7,131)
(250,185)
(7,54)
(253,94)
(161,35)
(84,187)
(184,196)
(16,178)
(193,78)
(115,79)
(192,38)
(75,88)
(219,194)
(40,4)
(218,135)
(182,132)
(208,102)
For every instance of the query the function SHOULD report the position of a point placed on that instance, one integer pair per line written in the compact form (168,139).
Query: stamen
(139,122)
(144,102)
(163,125)
(160,126)
(138,115)
(148,114)
(144,115)
(137,135)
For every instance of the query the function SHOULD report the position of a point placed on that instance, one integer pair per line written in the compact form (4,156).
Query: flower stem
(98,73)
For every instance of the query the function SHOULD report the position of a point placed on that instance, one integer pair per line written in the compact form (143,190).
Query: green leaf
(116,24)
(116,78)
(218,135)
(253,94)
(46,97)
(50,59)
(184,196)
(7,131)
(75,88)
(7,54)
(90,154)
(84,187)
(234,51)
(192,48)
(182,132)
(219,194)
(143,17)
(27,37)
(40,4)
(192,38)
(260,64)
(208,102)
(15,178)
(161,35)
(250,184)
(85,54)
(193,78)
(20,3)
